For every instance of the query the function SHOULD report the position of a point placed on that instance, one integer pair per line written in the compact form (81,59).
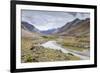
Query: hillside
(29,31)
(27,26)
(76,27)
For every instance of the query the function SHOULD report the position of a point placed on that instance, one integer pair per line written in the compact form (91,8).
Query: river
(54,45)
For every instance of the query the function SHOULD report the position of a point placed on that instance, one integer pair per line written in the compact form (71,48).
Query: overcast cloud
(45,20)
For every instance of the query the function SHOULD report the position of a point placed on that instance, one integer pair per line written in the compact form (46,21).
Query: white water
(55,46)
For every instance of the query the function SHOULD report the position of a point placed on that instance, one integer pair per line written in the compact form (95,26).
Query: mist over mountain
(50,31)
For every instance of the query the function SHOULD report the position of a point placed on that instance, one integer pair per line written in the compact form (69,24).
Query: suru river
(54,45)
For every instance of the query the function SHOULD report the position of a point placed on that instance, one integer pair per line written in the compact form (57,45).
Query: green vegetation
(32,52)
(75,43)
(72,57)
(75,48)
(26,43)
(48,37)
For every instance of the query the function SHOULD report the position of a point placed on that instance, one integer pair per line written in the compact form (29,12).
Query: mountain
(26,33)
(76,27)
(68,25)
(28,30)
(29,27)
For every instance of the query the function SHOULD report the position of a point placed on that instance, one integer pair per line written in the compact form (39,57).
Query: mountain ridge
(75,27)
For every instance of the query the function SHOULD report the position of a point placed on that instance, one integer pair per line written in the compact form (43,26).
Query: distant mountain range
(75,27)
(50,31)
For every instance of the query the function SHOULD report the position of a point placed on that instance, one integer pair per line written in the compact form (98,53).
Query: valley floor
(53,48)
(53,45)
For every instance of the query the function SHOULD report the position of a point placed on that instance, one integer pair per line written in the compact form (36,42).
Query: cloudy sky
(45,20)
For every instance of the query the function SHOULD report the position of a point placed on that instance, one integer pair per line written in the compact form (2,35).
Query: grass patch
(75,48)
(26,43)
(48,37)
(41,54)
(74,43)
(72,57)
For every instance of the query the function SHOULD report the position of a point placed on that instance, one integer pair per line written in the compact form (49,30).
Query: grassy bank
(32,52)
(75,43)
